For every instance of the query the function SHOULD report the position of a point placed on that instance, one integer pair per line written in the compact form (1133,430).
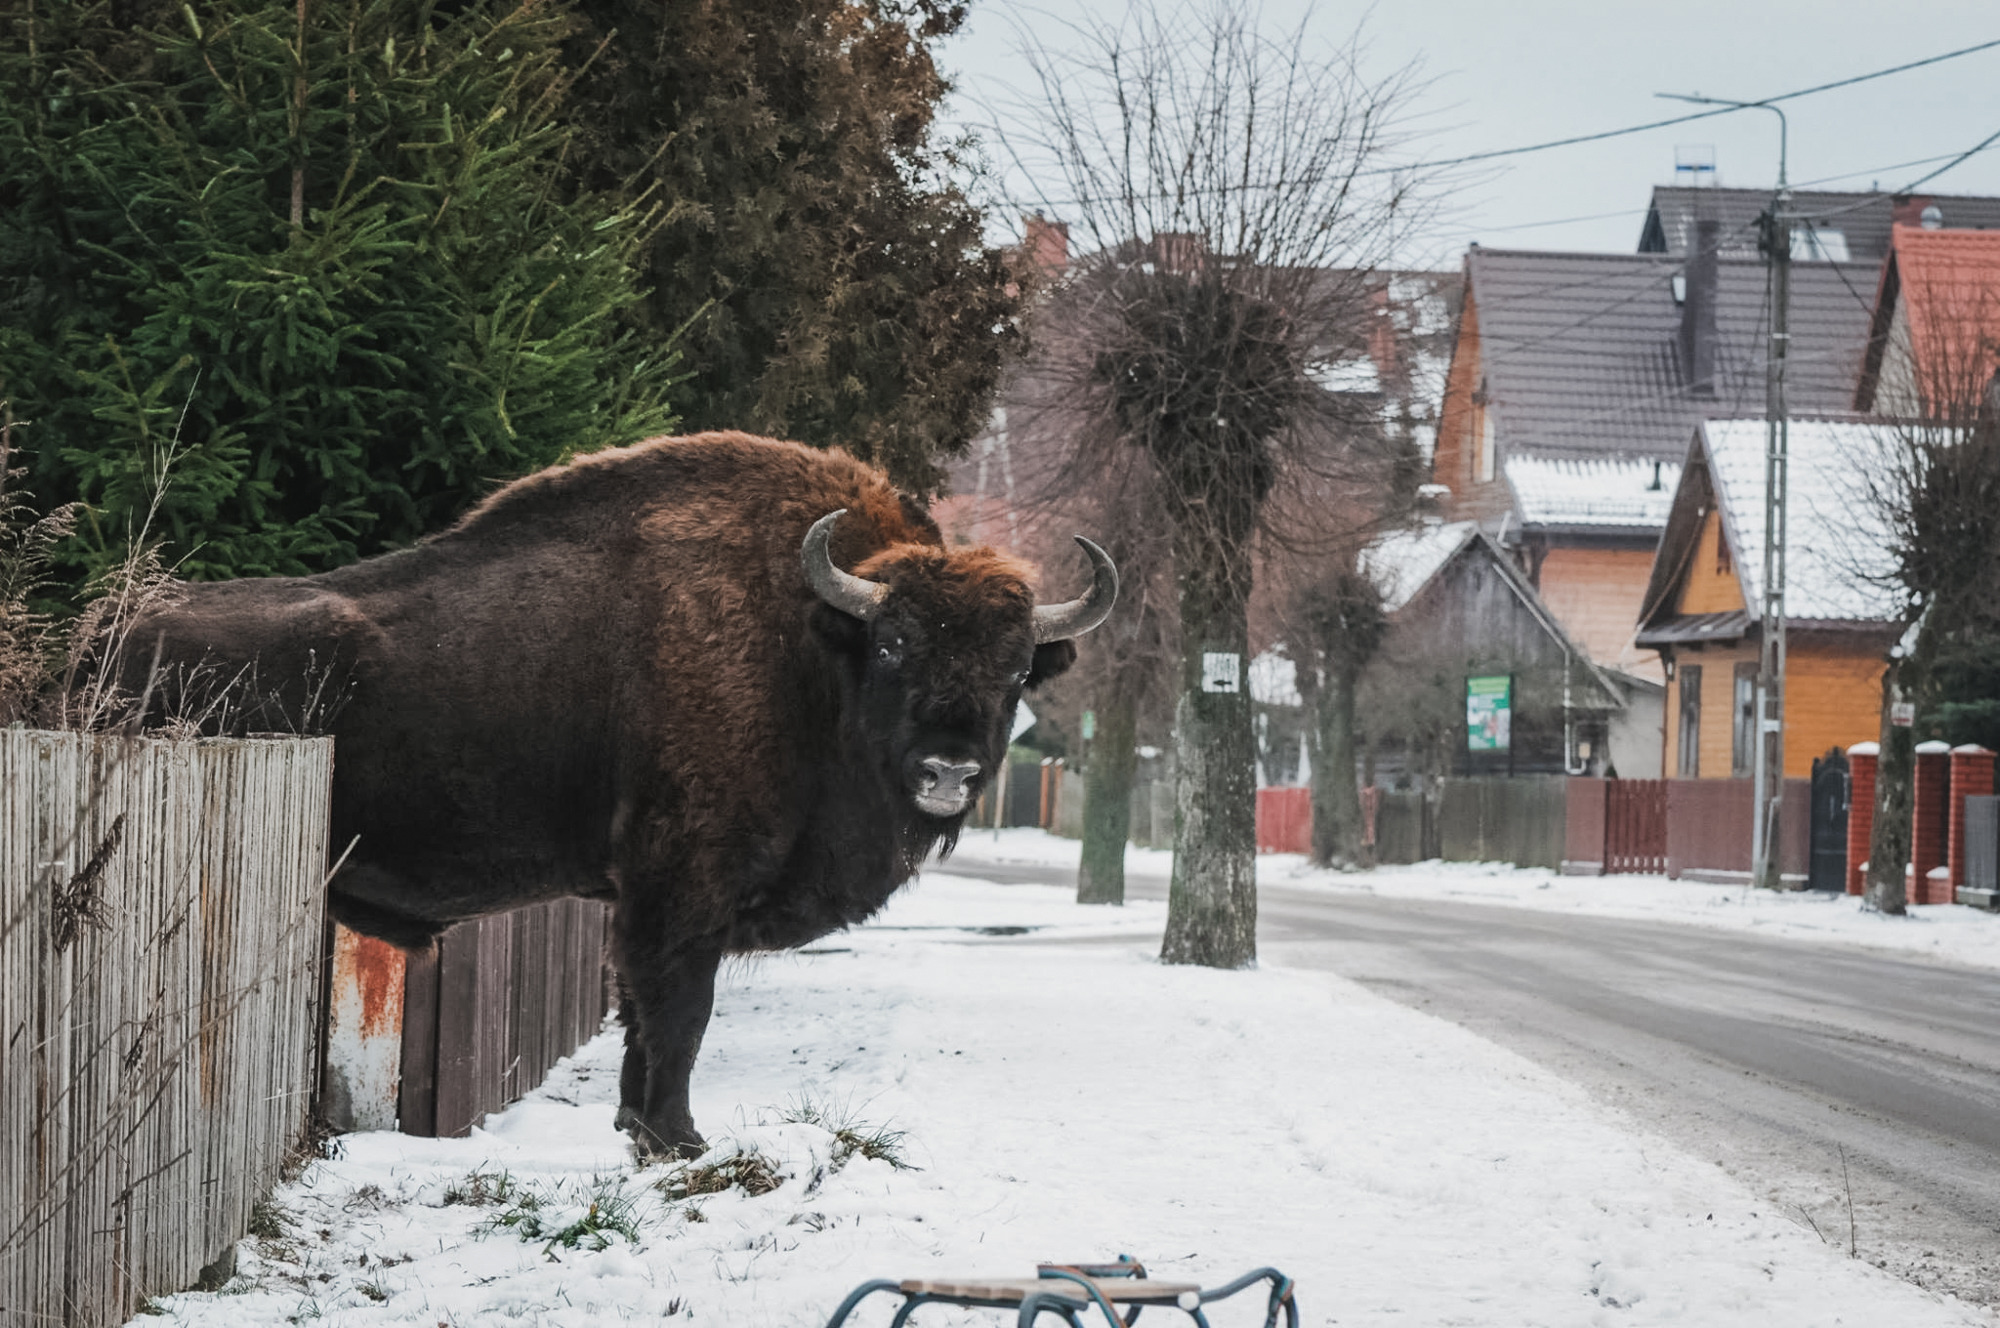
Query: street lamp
(1768,784)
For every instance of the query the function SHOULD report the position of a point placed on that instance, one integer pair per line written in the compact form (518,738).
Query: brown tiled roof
(1579,350)
(1863,218)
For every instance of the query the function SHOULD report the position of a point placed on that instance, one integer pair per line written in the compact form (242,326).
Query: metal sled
(1069,1290)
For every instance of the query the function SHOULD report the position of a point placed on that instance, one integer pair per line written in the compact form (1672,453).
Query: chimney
(1908,209)
(1046,243)
(1697,335)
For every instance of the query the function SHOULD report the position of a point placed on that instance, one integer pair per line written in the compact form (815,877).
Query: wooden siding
(1596,595)
(1710,584)
(1833,698)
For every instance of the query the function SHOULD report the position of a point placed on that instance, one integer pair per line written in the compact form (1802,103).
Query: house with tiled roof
(1701,602)
(1576,380)
(1934,337)
(1831,224)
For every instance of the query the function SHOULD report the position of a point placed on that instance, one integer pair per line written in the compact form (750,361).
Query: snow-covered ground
(1056,1101)
(1948,932)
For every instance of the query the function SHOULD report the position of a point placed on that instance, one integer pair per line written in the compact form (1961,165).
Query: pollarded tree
(1233,192)
(316,247)
(831,275)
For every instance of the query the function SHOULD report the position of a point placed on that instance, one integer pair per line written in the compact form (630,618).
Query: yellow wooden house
(1702,604)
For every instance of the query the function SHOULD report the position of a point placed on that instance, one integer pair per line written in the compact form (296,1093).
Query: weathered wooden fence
(1518,820)
(160,942)
(494,1006)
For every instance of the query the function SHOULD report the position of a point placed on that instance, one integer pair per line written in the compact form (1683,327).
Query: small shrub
(750,1170)
(482,1189)
(607,1211)
(852,1137)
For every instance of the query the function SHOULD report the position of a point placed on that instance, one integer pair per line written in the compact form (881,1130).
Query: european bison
(643,677)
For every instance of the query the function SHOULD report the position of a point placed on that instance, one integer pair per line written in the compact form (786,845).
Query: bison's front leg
(668,1001)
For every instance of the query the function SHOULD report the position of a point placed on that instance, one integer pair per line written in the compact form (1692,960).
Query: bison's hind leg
(398,929)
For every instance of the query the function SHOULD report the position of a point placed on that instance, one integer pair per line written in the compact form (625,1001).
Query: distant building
(1576,379)
(1832,226)
(1934,337)
(1459,607)
(1701,602)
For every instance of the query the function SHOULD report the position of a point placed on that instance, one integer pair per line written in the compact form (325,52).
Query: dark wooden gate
(1635,825)
(1827,865)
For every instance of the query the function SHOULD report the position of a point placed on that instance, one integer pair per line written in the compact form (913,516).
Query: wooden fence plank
(154,1063)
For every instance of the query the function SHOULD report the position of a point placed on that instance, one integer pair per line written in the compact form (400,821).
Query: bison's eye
(890,653)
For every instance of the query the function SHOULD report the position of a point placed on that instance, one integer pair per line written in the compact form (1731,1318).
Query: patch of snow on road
(1060,1102)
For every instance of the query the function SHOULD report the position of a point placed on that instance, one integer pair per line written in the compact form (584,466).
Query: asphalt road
(1856,1091)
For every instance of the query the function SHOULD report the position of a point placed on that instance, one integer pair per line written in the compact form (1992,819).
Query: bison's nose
(943,787)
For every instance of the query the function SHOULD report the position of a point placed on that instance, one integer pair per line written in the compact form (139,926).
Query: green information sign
(1488,713)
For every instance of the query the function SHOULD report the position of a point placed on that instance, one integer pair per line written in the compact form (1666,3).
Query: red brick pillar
(1862,760)
(1971,777)
(1927,819)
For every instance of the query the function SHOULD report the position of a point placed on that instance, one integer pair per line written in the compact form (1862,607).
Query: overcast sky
(1505,73)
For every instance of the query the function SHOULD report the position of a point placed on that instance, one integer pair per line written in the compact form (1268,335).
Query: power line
(1499,153)
(1698,115)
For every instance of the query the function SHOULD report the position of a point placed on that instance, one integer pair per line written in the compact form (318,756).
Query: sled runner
(1069,1290)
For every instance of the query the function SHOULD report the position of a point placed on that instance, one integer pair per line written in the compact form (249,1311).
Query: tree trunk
(1895,778)
(1107,802)
(1336,798)
(1212,901)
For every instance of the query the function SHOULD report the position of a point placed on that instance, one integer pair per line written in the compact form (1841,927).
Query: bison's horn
(850,594)
(1059,622)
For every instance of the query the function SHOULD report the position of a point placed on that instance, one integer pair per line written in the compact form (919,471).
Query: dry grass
(30,639)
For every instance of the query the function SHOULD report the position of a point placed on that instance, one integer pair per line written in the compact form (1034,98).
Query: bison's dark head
(942,644)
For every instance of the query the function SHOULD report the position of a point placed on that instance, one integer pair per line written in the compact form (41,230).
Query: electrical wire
(1701,115)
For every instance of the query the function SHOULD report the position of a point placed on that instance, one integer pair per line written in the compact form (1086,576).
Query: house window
(1725,565)
(1743,740)
(1690,744)
(1486,441)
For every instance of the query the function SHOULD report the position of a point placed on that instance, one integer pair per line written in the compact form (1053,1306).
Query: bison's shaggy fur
(611,679)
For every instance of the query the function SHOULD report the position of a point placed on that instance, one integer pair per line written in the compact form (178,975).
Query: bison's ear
(843,633)
(1052,660)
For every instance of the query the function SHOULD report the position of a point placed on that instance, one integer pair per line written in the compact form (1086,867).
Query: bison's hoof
(663,1144)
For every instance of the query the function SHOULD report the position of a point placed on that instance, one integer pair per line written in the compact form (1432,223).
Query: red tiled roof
(1947,283)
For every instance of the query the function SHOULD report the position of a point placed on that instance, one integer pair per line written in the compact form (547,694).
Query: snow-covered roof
(1837,541)
(1401,563)
(1595,491)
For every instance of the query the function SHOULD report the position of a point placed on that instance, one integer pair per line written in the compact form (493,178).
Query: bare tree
(1333,624)
(1936,487)
(1233,194)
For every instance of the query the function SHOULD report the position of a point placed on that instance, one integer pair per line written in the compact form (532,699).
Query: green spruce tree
(831,274)
(321,251)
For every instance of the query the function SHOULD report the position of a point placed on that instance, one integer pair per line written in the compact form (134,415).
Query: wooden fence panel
(1399,828)
(160,925)
(1635,825)
(494,1007)
(1497,819)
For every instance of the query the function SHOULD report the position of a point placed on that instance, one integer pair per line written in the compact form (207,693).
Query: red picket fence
(1635,825)
(1284,820)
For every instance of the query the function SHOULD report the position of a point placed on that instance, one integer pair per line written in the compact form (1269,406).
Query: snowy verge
(1948,932)
(1053,1101)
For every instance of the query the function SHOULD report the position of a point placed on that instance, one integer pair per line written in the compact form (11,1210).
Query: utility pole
(1769,790)
(1768,741)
